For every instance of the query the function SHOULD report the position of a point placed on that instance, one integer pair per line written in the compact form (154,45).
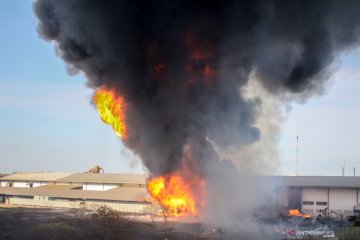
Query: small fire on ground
(297,213)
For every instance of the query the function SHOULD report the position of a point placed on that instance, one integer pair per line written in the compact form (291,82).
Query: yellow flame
(111,110)
(173,194)
(296,212)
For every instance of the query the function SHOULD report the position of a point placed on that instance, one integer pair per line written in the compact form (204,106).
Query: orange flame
(296,212)
(174,195)
(111,109)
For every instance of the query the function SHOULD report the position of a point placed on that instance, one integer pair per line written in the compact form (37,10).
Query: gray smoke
(181,65)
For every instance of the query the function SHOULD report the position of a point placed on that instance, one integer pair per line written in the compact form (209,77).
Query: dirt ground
(106,224)
(61,224)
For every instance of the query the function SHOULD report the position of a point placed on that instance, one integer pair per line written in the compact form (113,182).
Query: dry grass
(103,224)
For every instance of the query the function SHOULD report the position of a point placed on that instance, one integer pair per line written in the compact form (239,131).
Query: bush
(107,216)
(350,234)
(355,220)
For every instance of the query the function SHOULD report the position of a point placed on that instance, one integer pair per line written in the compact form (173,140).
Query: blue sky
(46,120)
(48,124)
(328,126)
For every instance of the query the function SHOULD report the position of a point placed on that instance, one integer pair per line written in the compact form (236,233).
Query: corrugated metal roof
(115,178)
(133,194)
(44,177)
(319,181)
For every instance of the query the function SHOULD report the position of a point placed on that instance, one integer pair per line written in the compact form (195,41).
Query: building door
(294,200)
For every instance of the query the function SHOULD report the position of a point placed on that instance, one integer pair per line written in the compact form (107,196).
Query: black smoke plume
(181,64)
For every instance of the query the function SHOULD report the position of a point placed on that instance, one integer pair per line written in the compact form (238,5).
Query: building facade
(312,194)
(123,192)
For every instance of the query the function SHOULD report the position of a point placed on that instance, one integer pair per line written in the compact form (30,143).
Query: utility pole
(297,156)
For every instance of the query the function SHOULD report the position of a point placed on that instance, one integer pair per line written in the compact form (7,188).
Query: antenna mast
(297,156)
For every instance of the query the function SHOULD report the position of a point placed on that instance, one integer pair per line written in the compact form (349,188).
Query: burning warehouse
(194,88)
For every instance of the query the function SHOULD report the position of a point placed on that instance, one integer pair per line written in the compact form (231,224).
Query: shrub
(107,216)
(352,233)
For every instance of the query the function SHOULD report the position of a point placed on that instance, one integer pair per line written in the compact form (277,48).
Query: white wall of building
(342,200)
(38,184)
(20,184)
(130,207)
(315,196)
(98,187)
(4,183)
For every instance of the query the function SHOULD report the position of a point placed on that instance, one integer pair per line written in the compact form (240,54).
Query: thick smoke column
(180,65)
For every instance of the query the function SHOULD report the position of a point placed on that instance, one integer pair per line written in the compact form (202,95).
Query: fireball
(111,109)
(174,194)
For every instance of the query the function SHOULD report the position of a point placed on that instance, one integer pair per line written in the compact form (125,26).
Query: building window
(308,202)
(24,197)
(321,203)
(308,211)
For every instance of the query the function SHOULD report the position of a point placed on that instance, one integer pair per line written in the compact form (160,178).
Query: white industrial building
(311,194)
(122,192)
